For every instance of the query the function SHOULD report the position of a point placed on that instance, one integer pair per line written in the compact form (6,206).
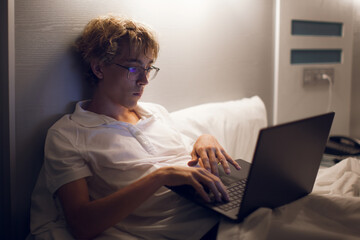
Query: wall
(355,86)
(294,101)
(210,51)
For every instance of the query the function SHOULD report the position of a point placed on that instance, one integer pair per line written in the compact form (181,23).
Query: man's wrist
(160,176)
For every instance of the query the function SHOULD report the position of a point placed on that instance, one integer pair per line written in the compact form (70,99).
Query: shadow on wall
(58,90)
(53,94)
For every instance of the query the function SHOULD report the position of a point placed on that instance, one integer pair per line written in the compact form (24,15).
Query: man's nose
(143,80)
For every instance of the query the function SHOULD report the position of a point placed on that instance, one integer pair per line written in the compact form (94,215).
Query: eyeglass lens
(135,73)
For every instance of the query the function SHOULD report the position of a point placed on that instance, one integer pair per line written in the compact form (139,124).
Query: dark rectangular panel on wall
(313,28)
(301,56)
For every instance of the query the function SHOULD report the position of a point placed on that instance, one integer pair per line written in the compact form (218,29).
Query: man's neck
(116,111)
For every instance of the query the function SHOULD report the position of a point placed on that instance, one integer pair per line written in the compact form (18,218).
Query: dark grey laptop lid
(285,163)
(284,167)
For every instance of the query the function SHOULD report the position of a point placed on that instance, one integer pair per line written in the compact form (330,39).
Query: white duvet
(331,211)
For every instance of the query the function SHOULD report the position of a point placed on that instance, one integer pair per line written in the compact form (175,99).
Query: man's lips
(139,93)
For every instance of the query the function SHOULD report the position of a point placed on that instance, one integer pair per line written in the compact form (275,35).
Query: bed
(331,211)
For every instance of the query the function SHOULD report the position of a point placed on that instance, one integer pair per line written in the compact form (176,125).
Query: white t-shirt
(111,155)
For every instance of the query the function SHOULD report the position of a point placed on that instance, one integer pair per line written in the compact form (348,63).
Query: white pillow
(235,124)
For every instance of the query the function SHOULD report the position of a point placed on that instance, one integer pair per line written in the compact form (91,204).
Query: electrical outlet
(318,76)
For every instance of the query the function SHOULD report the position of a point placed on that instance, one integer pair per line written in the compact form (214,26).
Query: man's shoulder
(71,120)
(62,124)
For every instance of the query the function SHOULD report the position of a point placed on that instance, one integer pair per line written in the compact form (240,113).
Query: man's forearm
(94,217)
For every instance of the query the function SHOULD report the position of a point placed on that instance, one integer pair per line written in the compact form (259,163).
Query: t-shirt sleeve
(63,161)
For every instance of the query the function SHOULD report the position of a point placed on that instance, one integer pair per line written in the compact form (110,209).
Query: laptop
(284,167)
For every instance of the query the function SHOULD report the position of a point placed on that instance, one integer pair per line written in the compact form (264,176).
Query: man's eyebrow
(135,60)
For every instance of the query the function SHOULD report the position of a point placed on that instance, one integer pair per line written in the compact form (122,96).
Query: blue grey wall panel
(303,56)
(313,28)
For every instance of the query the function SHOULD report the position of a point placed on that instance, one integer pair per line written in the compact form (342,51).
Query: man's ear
(96,68)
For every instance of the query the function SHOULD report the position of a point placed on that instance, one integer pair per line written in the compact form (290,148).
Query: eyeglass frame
(144,70)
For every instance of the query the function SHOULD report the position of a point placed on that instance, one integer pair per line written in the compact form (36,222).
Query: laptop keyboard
(236,191)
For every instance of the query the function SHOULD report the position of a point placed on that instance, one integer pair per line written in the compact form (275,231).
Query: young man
(106,164)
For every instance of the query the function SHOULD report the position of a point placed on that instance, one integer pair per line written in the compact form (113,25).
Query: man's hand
(198,178)
(210,154)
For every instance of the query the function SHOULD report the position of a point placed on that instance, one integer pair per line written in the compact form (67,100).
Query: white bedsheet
(331,211)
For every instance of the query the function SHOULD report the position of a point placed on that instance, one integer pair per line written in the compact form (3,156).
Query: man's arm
(89,218)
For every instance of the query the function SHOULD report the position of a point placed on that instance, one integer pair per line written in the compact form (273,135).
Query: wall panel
(295,101)
(355,84)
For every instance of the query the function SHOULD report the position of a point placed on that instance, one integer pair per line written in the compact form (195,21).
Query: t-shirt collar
(91,119)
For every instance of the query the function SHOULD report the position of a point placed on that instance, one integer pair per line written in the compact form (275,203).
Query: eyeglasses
(134,73)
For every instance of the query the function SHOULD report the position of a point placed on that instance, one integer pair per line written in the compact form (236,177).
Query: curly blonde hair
(108,36)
